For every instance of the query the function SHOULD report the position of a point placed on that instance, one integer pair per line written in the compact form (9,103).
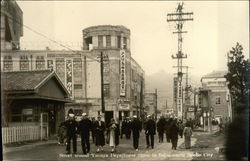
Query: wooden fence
(20,134)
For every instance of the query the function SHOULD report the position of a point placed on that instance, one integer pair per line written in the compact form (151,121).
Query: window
(106,90)
(108,41)
(100,41)
(124,43)
(40,62)
(118,41)
(77,71)
(78,93)
(217,100)
(7,63)
(24,63)
(27,115)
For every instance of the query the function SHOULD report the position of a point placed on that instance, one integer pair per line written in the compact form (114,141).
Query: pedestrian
(181,128)
(187,134)
(72,130)
(100,128)
(113,133)
(128,128)
(150,131)
(93,122)
(62,133)
(136,129)
(123,127)
(167,129)
(160,128)
(174,134)
(85,126)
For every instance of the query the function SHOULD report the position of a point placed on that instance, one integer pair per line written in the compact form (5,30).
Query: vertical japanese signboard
(122,73)
(179,99)
(69,76)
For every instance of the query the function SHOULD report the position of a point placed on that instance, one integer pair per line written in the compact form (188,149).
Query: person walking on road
(187,134)
(181,128)
(167,129)
(85,126)
(99,131)
(93,122)
(72,130)
(136,129)
(150,131)
(113,133)
(174,134)
(160,128)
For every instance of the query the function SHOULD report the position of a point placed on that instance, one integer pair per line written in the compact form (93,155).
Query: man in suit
(85,126)
(136,129)
(150,131)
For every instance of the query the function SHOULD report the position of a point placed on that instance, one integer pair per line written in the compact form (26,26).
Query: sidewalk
(26,145)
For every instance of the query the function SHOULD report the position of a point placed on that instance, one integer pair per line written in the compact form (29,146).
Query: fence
(20,134)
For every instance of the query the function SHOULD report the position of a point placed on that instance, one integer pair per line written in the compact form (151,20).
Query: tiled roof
(23,80)
(216,74)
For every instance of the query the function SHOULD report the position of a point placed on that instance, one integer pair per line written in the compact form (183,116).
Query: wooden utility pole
(179,18)
(102,87)
(155,104)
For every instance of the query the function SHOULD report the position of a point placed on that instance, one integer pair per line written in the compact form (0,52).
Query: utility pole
(179,18)
(102,87)
(156,104)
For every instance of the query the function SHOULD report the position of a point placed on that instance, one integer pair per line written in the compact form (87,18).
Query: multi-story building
(11,25)
(80,71)
(123,77)
(150,104)
(215,102)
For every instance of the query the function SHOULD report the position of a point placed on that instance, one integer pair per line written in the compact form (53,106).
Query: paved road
(125,151)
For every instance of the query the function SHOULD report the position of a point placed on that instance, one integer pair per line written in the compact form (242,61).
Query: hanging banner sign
(122,73)
(69,81)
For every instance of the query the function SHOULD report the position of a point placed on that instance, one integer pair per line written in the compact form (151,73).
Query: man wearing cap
(100,129)
(85,126)
(150,131)
(136,129)
(72,129)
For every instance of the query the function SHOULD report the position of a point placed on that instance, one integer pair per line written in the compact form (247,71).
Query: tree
(236,76)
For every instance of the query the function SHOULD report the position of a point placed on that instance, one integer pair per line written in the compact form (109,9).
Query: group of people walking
(113,132)
(174,129)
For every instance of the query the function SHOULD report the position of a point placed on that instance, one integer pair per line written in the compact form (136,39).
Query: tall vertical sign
(179,99)
(122,73)
(69,81)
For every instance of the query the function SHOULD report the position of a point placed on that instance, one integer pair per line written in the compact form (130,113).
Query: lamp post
(208,121)
(204,121)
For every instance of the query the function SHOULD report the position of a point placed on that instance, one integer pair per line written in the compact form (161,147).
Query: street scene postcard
(125,80)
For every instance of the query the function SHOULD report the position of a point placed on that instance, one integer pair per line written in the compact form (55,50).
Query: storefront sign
(124,106)
(122,73)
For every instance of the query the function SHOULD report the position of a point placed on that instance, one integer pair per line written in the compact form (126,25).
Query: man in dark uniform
(93,129)
(160,128)
(72,129)
(100,128)
(85,126)
(150,131)
(136,129)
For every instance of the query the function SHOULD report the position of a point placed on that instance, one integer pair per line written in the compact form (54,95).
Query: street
(125,151)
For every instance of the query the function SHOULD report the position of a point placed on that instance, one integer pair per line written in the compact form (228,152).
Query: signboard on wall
(179,100)
(69,78)
(122,73)
(123,106)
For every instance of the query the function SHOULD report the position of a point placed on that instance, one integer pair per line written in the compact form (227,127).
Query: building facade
(151,104)
(80,71)
(215,97)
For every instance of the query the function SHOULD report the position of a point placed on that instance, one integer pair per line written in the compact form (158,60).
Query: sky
(216,28)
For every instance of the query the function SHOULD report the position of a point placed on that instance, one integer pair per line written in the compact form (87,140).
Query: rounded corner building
(123,77)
